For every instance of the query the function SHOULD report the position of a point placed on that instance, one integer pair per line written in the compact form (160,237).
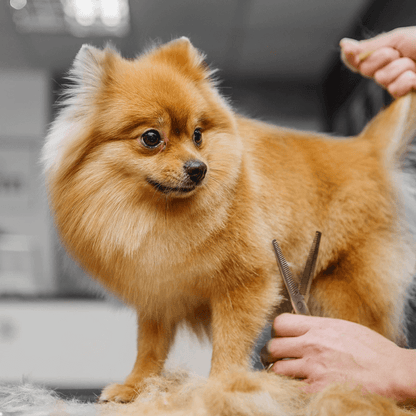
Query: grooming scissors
(299,294)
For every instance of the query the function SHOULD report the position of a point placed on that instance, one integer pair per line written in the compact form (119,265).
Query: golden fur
(205,257)
(241,393)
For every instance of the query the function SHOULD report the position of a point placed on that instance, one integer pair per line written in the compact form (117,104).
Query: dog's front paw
(119,393)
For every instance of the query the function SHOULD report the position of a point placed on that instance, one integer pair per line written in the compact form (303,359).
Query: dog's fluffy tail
(393,129)
(392,133)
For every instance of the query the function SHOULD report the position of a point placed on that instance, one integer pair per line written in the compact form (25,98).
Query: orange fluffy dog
(171,201)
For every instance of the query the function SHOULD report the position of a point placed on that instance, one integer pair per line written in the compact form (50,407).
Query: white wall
(23,103)
(24,109)
(79,344)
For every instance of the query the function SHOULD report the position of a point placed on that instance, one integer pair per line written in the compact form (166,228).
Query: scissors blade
(307,276)
(297,300)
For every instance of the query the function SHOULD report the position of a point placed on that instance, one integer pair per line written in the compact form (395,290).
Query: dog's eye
(197,137)
(151,139)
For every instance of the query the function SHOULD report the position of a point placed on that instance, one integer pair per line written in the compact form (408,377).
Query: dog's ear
(91,65)
(185,57)
(394,128)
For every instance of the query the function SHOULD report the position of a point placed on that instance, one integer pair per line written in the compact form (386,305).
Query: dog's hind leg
(360,286)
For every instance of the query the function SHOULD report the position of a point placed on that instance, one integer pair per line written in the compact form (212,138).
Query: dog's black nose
(196,170)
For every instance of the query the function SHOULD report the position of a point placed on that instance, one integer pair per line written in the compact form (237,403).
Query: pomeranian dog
(171,200)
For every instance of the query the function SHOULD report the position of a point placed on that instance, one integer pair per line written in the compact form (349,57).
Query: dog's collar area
(167,189)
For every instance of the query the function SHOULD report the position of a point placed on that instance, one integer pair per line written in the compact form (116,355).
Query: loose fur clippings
(171,200)
(178,393)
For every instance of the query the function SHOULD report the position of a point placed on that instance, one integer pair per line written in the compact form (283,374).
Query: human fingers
(403,84)
(349,50)
(355,51)
(291,368)
(362,48)
(376,60)
(278,348)
(290,325)
(386,75)
(402,39)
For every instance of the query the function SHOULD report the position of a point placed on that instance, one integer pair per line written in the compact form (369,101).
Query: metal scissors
(298,293)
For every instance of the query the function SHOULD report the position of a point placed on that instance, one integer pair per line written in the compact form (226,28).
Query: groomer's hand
(332,350)
(389,58)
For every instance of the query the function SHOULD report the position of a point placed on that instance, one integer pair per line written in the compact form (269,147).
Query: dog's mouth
(170,189)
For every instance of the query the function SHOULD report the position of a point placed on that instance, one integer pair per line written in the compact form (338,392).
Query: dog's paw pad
(119,393)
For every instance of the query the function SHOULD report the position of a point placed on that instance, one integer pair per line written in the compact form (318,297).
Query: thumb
(353,51)
(350,49)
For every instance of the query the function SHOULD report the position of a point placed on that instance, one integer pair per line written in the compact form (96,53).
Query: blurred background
(279,61)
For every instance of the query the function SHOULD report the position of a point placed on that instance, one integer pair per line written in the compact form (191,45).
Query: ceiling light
(18,4)
(85,11)
(110,12)
(79,17)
